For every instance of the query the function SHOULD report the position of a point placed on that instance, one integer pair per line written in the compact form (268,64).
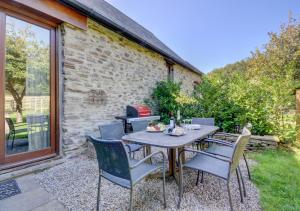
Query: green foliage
(163,99)
(212,97)
(276,174)
(260,89)
(27,62)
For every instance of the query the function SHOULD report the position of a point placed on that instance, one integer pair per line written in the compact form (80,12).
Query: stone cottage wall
(103,72)
(186,77)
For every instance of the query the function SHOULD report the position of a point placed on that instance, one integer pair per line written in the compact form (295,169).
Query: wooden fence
(31,104)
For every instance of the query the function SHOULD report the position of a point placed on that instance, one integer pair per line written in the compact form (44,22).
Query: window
(196,84)
(170,66)
(27,111)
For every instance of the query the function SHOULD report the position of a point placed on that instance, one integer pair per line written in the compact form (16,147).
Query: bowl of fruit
(156,128)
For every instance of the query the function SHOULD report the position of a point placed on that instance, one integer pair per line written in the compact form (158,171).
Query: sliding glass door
(27,92)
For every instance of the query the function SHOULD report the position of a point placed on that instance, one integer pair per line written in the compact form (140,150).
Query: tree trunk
(18,99)
(19,110)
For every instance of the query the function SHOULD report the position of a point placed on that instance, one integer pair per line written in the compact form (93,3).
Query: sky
(211,33)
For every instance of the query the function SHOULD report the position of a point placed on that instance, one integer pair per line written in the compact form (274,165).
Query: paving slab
(53,205)
(27,183)
(26,201)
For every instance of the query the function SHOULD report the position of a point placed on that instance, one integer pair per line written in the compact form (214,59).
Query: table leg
(172,161)
(182,154)
(148,152)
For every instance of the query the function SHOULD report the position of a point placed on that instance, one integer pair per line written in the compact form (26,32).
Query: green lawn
(21,130)
(277,175)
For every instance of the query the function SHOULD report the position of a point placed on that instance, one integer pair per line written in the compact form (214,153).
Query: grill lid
(138,111)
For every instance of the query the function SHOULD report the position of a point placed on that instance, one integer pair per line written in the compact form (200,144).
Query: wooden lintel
(51,8)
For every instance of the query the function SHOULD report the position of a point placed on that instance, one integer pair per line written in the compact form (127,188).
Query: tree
(259,89)
(15,68)
(27,59)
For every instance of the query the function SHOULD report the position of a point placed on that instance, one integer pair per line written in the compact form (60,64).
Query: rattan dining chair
(115,165)
(216,165)
(115,131)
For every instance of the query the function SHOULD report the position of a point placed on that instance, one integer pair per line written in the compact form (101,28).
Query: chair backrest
(112,131)
(239,148)
(139,125)
(112,157)
(204,121)
(10,124)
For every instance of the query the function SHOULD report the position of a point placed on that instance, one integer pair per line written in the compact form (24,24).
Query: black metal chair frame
(12,131)
(103,173)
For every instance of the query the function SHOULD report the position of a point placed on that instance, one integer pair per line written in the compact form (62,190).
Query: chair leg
(229,196)
(202,175)
(164,186)
(7,139)
(243,183)
(197,182)
(131,198)
(12,144)
(248,170)
(98,194)
(240,187)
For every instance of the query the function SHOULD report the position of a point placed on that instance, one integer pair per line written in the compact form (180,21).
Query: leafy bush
(163,99)
(258,90)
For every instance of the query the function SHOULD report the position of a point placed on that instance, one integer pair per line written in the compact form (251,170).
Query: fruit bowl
(156,128)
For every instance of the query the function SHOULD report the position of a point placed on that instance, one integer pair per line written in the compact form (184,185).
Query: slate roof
(113,18)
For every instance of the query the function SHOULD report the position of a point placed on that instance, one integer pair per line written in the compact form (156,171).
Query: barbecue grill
(136,113)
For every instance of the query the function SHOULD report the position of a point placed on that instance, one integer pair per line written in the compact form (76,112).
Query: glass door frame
(7,161)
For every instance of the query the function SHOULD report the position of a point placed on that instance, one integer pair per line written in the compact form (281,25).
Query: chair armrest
(224,134)
(146,158)
(204,153)
(129,148)
(218,141)
(230,135)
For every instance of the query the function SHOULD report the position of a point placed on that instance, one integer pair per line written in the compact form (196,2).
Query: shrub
(163,99)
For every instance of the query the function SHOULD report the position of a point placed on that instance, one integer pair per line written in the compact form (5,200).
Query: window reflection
(27,86)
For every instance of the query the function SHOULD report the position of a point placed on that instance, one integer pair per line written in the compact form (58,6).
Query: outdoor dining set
(116,150)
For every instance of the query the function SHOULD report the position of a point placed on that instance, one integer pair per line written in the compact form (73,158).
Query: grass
(277,176)
(21,130)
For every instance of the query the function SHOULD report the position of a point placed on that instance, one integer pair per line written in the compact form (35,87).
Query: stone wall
(186,77)
(103,72)
(255,142)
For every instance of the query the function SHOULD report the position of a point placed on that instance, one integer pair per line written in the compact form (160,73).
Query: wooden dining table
(174,144)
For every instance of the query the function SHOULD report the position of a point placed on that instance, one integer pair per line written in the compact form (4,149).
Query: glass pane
(27,87)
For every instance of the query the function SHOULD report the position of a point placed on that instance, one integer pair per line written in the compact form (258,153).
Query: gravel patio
(74,184)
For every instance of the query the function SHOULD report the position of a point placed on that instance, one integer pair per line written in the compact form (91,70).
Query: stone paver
(53,205)
(32,197)
(27,183)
